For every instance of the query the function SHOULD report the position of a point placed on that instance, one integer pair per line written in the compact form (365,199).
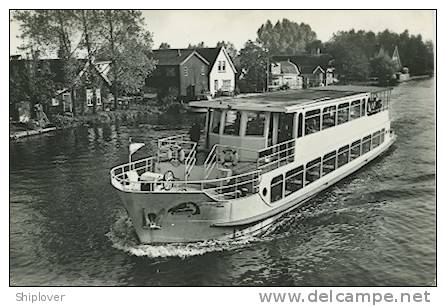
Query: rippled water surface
(378,227)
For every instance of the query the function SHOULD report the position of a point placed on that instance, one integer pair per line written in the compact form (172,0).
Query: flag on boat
(133,147)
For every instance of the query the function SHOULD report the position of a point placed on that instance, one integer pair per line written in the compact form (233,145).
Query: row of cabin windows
(297,178)
(316,121)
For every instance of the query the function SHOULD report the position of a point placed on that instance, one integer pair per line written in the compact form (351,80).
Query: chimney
(179,52)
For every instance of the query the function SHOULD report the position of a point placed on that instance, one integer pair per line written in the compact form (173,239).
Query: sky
(179,28)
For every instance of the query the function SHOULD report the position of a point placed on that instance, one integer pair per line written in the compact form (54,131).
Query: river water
(378,227)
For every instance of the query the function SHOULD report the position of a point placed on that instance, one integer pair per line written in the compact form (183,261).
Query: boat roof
(287,101)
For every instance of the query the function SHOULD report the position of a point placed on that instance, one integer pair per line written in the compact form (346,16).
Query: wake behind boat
(263,156)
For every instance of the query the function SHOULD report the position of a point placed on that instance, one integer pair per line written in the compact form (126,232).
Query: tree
(164,45)
(253,60)
(197,46)
(285,37)
(128,45)
(230,48)
(383,68)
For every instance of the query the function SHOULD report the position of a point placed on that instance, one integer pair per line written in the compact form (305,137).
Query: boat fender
(168,177)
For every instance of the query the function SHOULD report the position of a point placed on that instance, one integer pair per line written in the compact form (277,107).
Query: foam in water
(124,238)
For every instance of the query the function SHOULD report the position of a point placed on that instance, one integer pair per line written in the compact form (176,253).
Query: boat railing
(276,156)
(128,177)
(170,148)
(219,153)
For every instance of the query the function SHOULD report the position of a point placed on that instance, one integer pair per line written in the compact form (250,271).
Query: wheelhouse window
(329,163)
(313,171)
(355,110)
(312,121)
(255,124)
(329,117)
(375,139)
(343,154)
(343,111)
(366,142)
(216,118)
(232,123)
(355,149)
(294,180)
(277,188)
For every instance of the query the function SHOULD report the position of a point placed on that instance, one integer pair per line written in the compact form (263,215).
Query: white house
(221,70)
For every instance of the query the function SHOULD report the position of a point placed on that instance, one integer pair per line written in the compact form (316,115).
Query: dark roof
(307,62)
(287,101)
(171,56)
(210,54)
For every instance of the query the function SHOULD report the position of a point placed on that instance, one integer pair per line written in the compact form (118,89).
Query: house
(85,94)
(402,72)
(284,74)
(181,73)
(191,73)
(222,71)
(315,69)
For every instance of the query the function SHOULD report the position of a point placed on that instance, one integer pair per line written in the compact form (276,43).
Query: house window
(170,72)
(203,70)
(226,84)
(219,66)
(255,124)
(186,72)
(89,98)
(54,102)
(215,85)
(98,97)
(67,107)
(223,66)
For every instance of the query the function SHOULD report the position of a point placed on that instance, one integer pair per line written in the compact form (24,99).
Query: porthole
(264,192)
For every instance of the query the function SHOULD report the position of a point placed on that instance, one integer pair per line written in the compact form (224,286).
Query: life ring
(229,156)
(168,177)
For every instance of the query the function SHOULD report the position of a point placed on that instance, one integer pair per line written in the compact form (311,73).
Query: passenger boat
(263,156)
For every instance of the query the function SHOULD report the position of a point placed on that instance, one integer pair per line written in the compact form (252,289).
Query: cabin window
(382,135)
(355,150)
(294,180)
(375,139)
(277,188)
(216,117)
(329,163)
(366,141)
(363,108)
(329,117)
(232,123)
(255,124)
(299,126)
(312,121)
(355,110)
(343,154)
(313,171)
(343,111)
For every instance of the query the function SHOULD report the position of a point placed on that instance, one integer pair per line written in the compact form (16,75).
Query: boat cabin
(263,120)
